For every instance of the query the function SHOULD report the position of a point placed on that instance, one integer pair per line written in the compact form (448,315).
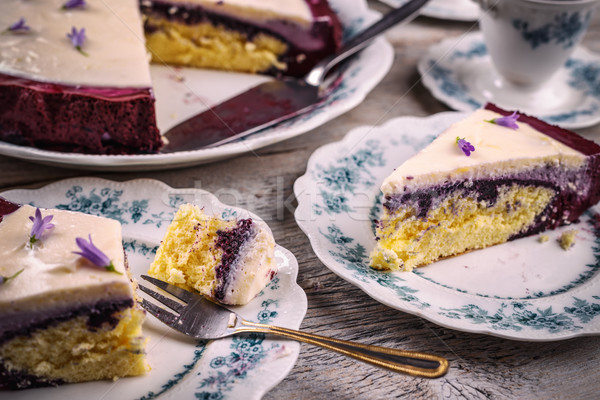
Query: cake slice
(516,179)
(256,36)
(229,261)
(64,319)
(90,94)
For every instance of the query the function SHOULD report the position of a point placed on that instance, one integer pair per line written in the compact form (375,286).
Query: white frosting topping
(115,43)
(52,275)
(253,271)
(295,10)
(494,144)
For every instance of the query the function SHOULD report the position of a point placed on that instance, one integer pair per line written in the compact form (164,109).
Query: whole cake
(63,317)
(74,74)
(264,36)
(492,177)
(229,261)
(76,79)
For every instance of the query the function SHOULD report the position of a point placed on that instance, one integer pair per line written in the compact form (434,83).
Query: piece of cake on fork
(226,260)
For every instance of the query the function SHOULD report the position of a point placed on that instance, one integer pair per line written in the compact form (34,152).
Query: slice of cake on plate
(258,36)
(490,178)
(68,311)
(229,261)
(76,79)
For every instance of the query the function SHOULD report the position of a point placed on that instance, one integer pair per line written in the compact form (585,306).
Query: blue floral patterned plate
(523,290)
(459,72)
(232,368)
(184,92)
(455,10)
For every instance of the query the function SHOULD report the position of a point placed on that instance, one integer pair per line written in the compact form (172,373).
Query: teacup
(529,40)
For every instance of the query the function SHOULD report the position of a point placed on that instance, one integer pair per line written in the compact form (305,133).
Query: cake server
(274,101)
(200,318)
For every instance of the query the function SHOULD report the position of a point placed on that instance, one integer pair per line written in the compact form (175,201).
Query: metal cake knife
(274,101)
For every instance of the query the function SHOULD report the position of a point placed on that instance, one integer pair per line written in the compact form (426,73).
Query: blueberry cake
(229,261)
(64,319)
(490,178)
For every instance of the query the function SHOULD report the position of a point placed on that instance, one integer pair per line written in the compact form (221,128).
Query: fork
(201,318)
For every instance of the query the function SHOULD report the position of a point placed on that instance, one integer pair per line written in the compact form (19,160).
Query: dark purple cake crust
(7,207)
(305,47)
(77,119)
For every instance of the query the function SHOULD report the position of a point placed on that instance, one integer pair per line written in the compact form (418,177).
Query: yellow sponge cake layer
(207,46)
(70,352)
(458,224)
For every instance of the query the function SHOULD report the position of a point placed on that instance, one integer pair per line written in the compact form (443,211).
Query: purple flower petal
(20,25)
(465,146)
(509,121)
(77,38)
(94,254)
(40,226)
(74,4)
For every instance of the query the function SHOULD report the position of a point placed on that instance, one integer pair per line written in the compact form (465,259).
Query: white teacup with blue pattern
(529,40)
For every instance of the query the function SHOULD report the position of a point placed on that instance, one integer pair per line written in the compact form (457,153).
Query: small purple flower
(465,146)
(4,279)
(509,121)
(77,38)
(94,254)
(73,4)
(40,226)
(19,26)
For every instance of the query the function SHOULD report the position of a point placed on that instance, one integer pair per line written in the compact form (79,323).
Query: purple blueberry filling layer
(306,47)
(98,314)
(575,191)
(16,380)
(231,241)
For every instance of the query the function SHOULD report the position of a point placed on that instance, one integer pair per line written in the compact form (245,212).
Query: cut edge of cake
(441,202)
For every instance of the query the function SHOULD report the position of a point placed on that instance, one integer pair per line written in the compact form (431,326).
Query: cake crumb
(567,239)
(543,238)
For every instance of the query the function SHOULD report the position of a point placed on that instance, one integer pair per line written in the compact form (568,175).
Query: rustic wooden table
(480,366)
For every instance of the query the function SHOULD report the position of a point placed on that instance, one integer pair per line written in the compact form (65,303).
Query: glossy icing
(505,149)
(53,277)
(115,43)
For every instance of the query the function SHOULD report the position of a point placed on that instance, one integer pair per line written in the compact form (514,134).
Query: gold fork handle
(407,362)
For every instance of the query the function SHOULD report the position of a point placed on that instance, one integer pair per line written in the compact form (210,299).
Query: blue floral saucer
(182,368)
(459,72)
(522,290)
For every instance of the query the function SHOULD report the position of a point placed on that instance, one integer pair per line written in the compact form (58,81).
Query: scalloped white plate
(523,290)
(243,366)
(183,92)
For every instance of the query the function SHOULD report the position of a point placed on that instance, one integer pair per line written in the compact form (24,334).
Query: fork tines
(163,315)
(180,293)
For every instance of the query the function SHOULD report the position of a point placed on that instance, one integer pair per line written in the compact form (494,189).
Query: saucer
(460,73)
(455,10)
